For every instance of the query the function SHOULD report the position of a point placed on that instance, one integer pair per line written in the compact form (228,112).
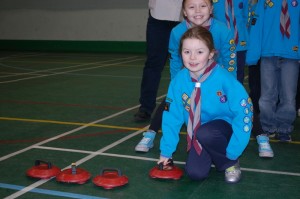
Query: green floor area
(78,108)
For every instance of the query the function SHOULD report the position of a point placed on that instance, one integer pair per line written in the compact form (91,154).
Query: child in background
(196,13)
(274,39)
(234,13)
(215,107)
(253,74)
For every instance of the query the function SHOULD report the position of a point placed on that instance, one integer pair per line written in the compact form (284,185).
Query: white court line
(101,153)
(72,131)
(60,68)
(21,56)
(64,134)
(40,182)
(59,73)
(153,159)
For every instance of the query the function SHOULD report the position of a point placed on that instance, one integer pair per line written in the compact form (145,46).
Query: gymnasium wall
(73,25)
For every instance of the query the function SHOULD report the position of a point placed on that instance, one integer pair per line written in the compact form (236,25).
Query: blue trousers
(157,36)
(214,137)
(279,78)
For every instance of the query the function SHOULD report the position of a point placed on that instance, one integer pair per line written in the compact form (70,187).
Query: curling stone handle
(73,168)
(102,171)
(38,162)
(161,165)
(171,163)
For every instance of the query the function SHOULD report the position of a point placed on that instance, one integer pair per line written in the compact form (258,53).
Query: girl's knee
(197,175)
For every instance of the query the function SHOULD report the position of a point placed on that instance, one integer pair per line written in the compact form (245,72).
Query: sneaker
(284,137)
(142,116)
(233,174)
(147,142)
(264,148)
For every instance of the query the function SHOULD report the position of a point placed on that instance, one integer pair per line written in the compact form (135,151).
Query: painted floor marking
(37,72)
(72,131)
(49,192)
(102,126)
(66,133)
(21,55)
(70,123)
(40,182)
(65,72)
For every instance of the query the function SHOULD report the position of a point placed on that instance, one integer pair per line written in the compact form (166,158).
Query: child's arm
(173,119)
(241,107)
(228,51)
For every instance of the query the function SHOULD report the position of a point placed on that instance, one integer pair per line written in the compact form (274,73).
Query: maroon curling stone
(73,175)
(43,170)
(110,178)
(169,171)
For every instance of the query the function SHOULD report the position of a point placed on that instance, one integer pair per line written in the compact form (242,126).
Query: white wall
(86,20)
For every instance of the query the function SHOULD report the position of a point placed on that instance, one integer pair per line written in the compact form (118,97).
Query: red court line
(68,137)
(61,104)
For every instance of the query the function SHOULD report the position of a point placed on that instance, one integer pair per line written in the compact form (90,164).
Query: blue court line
(49,192)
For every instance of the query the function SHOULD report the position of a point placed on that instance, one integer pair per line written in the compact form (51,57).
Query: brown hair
(184,1)
(200,33)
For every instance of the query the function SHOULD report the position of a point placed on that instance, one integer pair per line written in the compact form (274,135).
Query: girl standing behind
(199,13)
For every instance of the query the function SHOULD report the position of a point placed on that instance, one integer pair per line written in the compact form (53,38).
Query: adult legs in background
(157,36)
(156,121)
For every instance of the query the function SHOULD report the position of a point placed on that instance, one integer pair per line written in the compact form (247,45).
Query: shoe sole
(232,182)
(266,155)
(142,149)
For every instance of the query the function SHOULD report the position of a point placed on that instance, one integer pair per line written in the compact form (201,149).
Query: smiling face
(195,55)
(198,12)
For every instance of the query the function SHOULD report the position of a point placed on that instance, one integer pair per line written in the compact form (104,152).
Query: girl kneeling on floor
(215,107)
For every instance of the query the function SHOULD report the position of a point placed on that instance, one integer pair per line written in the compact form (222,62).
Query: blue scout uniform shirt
(241,14)
(223,97)
(251,15)
(265,39)
(223,42)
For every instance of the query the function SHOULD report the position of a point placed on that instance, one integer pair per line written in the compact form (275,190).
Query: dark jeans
(241,58)
(214,137)
(254,93)
(157,36)
(298,93)
(254,84)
